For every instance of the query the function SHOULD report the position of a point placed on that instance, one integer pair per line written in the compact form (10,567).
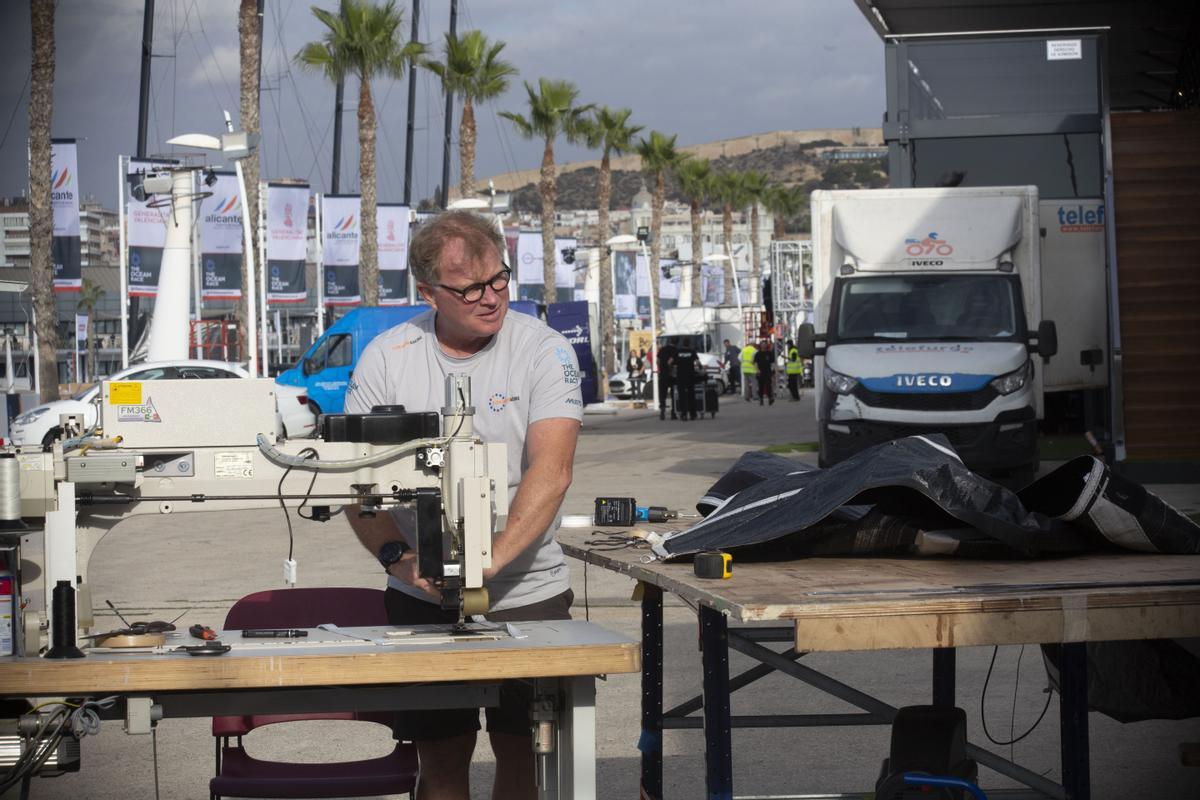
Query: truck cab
(929,302)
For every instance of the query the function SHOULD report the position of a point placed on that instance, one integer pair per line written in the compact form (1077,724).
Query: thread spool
(63,616)
(10,492)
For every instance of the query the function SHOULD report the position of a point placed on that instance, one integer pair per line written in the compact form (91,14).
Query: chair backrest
(308,608)
(303,608)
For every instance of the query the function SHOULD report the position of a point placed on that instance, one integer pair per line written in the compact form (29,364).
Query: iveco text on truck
(929,307)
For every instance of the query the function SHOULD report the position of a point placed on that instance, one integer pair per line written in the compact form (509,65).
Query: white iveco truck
(929,303)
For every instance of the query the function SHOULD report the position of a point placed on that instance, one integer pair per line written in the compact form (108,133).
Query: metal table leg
(1073,710)
(577,740)
(718,755)
(943,676)
(651,743)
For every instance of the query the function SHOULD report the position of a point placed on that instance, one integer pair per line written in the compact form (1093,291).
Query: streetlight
(238,145)
(627,239)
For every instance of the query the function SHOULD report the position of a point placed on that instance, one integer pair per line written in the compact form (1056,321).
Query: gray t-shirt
(526,373)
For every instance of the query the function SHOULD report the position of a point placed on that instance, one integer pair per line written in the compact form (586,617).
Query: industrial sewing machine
(169,447)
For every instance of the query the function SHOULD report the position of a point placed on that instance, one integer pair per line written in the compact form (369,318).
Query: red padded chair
(240,775)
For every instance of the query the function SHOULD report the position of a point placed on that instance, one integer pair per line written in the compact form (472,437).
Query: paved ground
(200,563)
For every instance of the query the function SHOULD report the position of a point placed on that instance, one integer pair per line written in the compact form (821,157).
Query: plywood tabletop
(882,603)
(547,649)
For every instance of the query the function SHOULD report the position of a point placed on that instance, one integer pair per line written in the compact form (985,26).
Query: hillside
(789,157)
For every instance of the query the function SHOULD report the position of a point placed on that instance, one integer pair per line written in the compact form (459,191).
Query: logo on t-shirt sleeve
(570,371)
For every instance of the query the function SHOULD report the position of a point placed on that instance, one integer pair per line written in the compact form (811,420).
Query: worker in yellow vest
(795,368)
(749,372)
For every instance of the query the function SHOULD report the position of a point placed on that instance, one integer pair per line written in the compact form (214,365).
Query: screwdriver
(202,632)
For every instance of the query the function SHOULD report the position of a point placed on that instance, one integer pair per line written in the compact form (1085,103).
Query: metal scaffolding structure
(791,284)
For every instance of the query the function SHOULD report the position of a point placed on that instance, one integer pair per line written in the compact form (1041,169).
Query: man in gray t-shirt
(526,391)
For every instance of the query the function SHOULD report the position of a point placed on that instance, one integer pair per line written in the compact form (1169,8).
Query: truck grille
(927,401)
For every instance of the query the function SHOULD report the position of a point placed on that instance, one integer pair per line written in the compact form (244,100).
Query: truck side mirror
(806,341)
(1047,336)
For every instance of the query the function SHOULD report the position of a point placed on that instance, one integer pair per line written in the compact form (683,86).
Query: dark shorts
(512,715)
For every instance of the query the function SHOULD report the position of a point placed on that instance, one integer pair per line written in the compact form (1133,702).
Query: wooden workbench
(325,671)
(869,603)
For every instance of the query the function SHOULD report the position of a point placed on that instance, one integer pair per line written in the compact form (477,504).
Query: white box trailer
(928,303)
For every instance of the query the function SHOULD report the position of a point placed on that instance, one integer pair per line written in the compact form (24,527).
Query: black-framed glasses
(474,292)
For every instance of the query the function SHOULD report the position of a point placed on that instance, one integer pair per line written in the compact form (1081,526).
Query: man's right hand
(406,571)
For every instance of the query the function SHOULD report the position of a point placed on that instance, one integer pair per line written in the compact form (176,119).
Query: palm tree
(659,156)
(363,40)
(474,71)
(727,187)
(609,132)
(90,296)
(785,202)
(250,47)
(757,185)
(552,111)
(695,178)
(41,221)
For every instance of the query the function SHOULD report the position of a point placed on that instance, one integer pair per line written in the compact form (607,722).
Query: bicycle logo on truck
(931,245)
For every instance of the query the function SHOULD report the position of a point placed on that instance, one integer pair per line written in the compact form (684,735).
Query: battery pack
(615,512)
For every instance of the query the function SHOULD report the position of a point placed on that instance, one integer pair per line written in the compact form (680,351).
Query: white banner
(64,205)
(147,235)
(287,243)
(564,273)
(392,224)
(624,284)
(64,188)
(392,235)
(529,259)
(340,218)
(668,285)
(712,284)
(81,326)
(221,240)
(221,216)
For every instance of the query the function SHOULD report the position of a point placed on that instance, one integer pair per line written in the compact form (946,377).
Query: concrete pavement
(200,563)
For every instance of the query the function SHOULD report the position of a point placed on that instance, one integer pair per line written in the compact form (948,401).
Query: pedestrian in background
(748,371)
(687,372)
(764,367)
(635,368)
(795,368)
(666,380)
(733,358)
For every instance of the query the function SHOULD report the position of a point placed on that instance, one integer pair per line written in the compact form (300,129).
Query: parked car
(618,384)
(39,425)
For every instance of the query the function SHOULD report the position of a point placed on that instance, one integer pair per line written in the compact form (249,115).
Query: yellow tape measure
(713,564)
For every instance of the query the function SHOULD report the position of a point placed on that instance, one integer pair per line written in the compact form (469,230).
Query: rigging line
(175,62)
(304,115)
(16,107)
(200,60)
(395,168)
(216,62)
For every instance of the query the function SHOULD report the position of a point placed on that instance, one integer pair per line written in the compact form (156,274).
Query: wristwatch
(391,552)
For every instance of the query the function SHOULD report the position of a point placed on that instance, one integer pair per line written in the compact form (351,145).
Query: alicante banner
(64,203)
(147,235)
(392,235)
(340,241)
(287,242)
(221,240)
(625,284)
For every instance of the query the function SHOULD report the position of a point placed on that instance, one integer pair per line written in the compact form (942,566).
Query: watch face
(390,553)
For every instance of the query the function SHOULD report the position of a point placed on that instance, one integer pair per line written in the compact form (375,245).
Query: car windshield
(966,307)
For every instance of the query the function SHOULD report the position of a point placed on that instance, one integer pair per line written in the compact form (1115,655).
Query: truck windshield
(935,307)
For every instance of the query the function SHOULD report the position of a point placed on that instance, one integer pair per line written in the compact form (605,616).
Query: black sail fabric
(1076,508)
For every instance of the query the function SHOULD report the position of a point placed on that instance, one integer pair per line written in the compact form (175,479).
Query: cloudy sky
(701,69)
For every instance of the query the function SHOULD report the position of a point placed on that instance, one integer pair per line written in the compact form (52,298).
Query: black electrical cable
(308,453)
(604,542)
(983,716)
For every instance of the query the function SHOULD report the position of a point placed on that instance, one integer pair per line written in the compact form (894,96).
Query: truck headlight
(838,383)
(1015,380)
(29,416)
